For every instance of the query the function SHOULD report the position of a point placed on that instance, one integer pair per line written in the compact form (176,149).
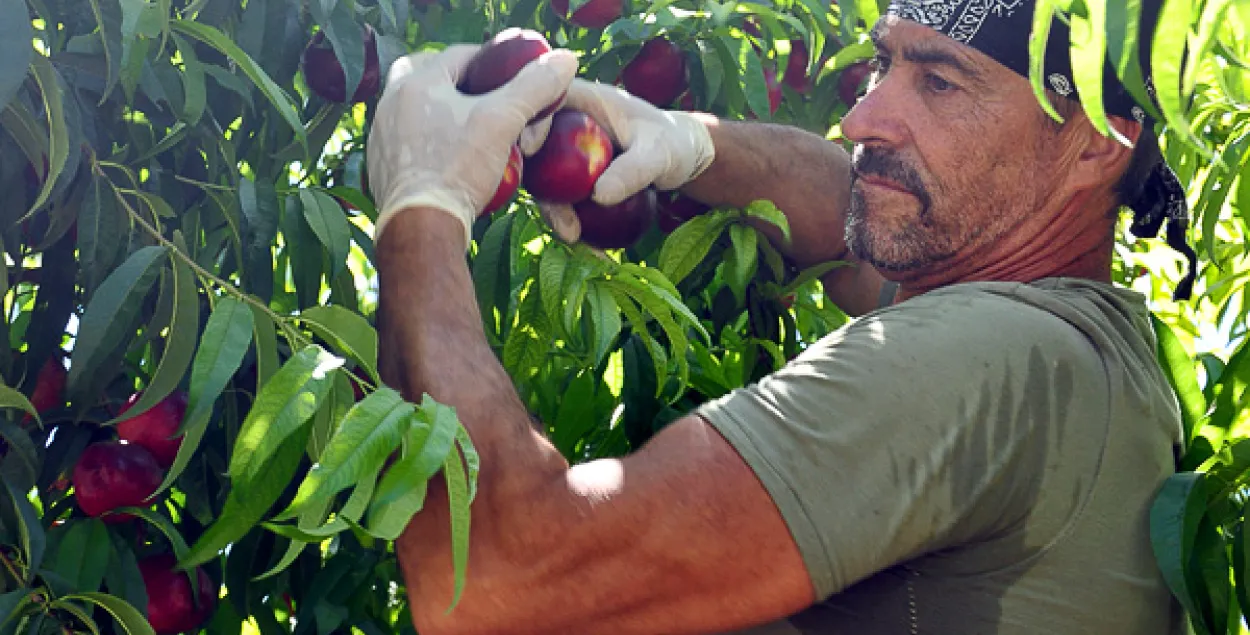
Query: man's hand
(433,146)
(663,148)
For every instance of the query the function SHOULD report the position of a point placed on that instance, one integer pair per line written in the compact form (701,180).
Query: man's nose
(879,116)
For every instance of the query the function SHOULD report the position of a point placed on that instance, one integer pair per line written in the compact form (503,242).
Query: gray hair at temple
(1000,29)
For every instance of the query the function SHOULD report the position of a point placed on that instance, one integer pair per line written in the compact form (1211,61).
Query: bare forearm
(807,177)
(432,342)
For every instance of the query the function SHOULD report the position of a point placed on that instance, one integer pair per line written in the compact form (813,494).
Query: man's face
(951,152)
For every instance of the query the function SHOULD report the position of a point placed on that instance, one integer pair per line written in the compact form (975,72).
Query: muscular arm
(678,538)
(809,179)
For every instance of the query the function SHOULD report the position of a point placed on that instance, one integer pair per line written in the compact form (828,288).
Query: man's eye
(937,84)
(878,64)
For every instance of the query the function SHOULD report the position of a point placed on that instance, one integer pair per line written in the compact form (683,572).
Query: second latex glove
(659,147)
(432,146)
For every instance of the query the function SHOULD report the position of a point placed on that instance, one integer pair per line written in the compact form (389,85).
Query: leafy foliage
(186,215)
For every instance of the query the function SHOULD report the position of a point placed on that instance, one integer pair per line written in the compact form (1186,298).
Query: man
(977,458)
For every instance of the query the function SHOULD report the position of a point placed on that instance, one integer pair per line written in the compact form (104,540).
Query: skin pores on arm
(806,177)
(650,543)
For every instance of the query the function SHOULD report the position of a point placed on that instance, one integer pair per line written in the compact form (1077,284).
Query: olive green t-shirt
(978,460)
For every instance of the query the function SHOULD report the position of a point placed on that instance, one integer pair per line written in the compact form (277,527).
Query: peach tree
(195,435)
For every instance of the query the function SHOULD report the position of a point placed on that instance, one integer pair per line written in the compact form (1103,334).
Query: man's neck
(1076,242)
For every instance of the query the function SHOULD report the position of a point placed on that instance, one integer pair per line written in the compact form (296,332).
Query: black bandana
(1001,28)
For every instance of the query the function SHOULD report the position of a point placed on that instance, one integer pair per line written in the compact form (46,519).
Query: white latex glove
(433,146)
(665,148)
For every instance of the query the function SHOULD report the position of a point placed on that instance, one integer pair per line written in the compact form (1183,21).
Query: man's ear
(1105,157)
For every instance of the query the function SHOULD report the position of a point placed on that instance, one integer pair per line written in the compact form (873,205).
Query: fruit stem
(287,330)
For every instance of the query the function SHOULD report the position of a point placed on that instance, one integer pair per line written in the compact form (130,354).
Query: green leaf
(122,578)
(265,331)
(348,332)
(458,499)
(370,432)
(58,136)
(163,524)
(345,35)
(646,296)
(1174,517)
(286,402)
(30,531)
(126,615)
(472,461)
(606,317)
(243,511)
(112,313)
(1166,55)
(690,243)
(1180,371)
(82,554)
(1043,16)
(179,345)
(293,549)
(78,612)
(529,339)
(15,49)
(259,203)
(713,71)
(21,464)
(329,222)
(743,258)
(194,86)
(276,96)
(10,398)
(108,17)
(102,230)
(551,268)
(492,275)
(754,84)
(1089,55)
(765,210)
(229,330)
(10,605)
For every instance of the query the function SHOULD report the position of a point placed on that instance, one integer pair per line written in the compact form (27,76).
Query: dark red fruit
(324,75)
(153,428)
(687,101)
(658,73)
(172,607)
(774,89)
(677,209)
(851,80)
(576,152)
(616,226)
(49,389)
(595,14)
(796,68)
(110,474)
(508,184)
(501,58)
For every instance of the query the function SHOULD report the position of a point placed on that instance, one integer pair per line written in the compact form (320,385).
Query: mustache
(883,164)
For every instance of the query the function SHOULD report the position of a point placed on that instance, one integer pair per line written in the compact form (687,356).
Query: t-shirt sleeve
(912,429)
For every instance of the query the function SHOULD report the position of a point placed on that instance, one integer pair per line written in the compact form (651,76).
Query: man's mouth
(882,183)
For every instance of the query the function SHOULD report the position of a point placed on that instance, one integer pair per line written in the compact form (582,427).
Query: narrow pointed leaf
(180,345)
(329,222)
(368,435)
(243,511)
(58,134)
(458,500)
(101,231)
(282,407)
(30,531)
(348,332)
(276,96)
(128,616)
(112,313)
(689,244)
